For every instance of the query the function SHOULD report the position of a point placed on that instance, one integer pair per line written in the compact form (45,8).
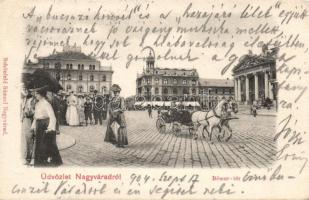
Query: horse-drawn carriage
(176,119)
(217,117)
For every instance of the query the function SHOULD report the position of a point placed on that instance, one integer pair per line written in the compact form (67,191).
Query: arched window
(68,66)
(194,91)
(71,66)
(193,82)
(156,90)
(184,82)
(157,81)
(165,81)
(104,78)
(80,88)
(80,77)
(69,87)
(175,81)
(91,77)
(104,89)
(91,88)
(165,91)
(80,66)
(174,90)
(69,77)
(185,91)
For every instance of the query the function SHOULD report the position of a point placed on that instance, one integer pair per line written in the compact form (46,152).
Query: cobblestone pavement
(251,145)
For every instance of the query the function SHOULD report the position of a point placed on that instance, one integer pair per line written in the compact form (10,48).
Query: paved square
(251,145)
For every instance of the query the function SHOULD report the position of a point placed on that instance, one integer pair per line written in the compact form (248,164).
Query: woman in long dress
(81,109)
(116,115)
(72,112)
(44,127)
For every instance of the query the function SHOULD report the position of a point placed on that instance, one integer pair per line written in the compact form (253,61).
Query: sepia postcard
(154,99)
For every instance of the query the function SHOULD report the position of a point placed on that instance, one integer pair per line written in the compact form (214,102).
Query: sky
(227,43)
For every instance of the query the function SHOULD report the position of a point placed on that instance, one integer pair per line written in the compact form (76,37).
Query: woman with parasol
(44,125)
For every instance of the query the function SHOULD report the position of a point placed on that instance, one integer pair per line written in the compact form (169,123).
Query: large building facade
(166,84)
(212,90)
(163,84)
(255,77)
(75,71)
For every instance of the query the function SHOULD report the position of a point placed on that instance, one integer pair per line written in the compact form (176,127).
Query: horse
(209,120)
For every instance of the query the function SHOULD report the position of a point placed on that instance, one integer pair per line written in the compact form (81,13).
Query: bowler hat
(115,88)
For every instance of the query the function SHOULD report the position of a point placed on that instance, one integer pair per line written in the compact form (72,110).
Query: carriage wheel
(160,124)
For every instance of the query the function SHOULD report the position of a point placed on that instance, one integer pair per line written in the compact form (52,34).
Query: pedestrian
(97,108)
(254,108)
(88,108)
(63,110)
(28,109)
(44,126)
(104,107)
(116,115)
(81,109)
(72,113)
(149,108)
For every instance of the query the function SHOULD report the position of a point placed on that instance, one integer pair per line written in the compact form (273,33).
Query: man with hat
(88,109)
(97,108)
(116,115)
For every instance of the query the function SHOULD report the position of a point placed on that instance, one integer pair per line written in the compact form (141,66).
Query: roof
(175,71)
(68,55)
(250,61)
(216,82)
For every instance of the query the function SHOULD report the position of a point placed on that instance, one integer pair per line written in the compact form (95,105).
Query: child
(88,110)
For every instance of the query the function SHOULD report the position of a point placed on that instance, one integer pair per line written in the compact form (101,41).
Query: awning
(191,103)
(138,103)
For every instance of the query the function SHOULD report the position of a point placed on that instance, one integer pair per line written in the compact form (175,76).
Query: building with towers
(163,84)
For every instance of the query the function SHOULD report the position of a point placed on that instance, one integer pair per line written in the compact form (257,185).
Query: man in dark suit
(97,107)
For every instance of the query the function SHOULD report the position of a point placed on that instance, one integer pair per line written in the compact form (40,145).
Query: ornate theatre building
(255,77)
